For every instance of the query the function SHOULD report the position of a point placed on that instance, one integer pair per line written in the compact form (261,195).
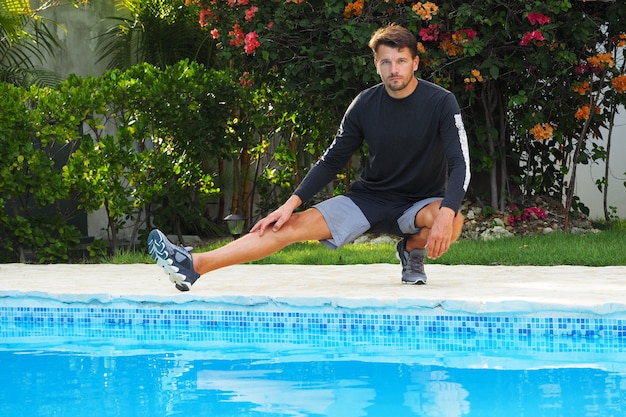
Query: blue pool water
(125,358)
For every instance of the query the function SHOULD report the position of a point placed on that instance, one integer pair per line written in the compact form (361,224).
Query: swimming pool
(125,357)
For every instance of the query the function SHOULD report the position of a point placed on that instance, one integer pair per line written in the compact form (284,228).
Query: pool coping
(591,291)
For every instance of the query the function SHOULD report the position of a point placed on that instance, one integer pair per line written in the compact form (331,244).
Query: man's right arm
(348,140)
(278,217)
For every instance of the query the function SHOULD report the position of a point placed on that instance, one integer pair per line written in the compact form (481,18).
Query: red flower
(431,33)
(539,18)
(469,33)
(245,80)
(251,12)
(238,35)
(529,36)
(205,15)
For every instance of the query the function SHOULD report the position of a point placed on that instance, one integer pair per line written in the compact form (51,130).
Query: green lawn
(592,249)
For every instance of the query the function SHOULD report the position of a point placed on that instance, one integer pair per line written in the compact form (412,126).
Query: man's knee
(426,216)
(307,225)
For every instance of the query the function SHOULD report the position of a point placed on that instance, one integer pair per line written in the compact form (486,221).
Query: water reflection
(45,383)
(270,394)
(432,394)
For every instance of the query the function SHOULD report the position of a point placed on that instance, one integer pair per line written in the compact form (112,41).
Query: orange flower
(353,9)
(542,131)
(601,60)
(619,83)
(476,74)
(450,48)
(583,112)
(475,77)
(621,42)
(421,48)
(425,11)
(581,88)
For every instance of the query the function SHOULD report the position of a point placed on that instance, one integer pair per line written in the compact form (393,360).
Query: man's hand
(440,236)
(278,217)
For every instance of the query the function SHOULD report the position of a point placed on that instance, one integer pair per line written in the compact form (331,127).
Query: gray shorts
(350,217)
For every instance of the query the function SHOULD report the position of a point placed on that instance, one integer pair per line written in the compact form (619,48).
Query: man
(412,185)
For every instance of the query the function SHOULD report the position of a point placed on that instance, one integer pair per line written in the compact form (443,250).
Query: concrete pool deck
(466,288)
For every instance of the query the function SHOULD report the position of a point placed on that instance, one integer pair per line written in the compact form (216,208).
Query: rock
(361,239)
(384,239)
(496,232)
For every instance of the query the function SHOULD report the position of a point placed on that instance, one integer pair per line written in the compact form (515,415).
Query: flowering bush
(534,87)
(526,214)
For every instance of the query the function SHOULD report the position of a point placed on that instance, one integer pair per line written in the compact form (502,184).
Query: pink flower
(431,33)
(529,36)
(539,18)
(470,33)
(251,43)
(251,12)
(215,34)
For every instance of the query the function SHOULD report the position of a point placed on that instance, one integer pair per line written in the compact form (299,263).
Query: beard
(397,84)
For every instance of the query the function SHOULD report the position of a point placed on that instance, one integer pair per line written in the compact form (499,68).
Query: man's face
(396,68)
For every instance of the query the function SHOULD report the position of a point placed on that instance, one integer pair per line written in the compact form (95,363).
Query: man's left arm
(452,132)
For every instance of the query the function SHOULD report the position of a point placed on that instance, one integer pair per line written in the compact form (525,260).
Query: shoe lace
(415,262)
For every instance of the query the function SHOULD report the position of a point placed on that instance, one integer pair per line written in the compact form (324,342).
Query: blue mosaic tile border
(375,321)
(325,328)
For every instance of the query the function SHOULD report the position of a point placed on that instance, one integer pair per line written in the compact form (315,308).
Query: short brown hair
(394,36)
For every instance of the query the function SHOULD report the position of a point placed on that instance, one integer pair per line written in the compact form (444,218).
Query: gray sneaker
(412,264)
(175,260)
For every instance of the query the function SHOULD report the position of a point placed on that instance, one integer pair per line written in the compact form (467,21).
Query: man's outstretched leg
(185,268)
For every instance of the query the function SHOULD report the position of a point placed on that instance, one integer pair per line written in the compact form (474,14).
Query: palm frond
(120,44)
(29,76)
(25,40)
(14,14)
(154,32)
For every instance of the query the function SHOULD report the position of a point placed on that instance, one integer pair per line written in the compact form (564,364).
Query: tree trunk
(245,184)
(607,171)
(488,106)
(572,180)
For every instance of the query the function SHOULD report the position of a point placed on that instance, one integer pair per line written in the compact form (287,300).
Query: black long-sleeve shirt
(416,146)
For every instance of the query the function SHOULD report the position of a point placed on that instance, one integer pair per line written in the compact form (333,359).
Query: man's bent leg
(306,225)
(425,218)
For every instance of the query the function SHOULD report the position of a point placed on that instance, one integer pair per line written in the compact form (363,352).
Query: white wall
(77,35)
(588,174)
